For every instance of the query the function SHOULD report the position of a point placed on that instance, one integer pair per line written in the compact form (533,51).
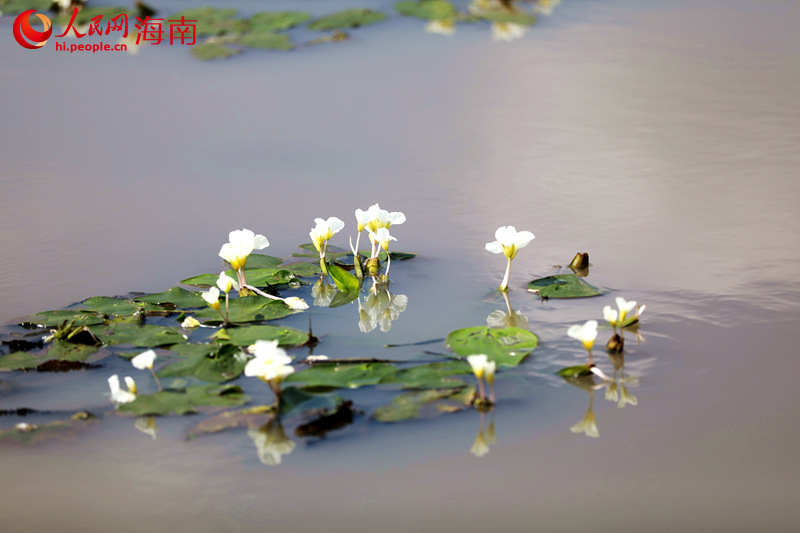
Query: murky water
(660,139)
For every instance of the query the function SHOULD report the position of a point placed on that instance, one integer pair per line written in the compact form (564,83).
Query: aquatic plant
(509,242)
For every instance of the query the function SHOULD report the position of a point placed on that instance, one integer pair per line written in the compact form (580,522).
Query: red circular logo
(26,35)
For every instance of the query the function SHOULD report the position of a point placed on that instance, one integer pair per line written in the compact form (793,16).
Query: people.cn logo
(26,35)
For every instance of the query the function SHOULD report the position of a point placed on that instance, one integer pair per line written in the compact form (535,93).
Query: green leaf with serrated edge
(343,376)
(247,309)
(277,20)
(260,277)
(345,281)
(247,335)
(505,346)
(142,336)
(349,18)
(576,371)
(427,9)
(185,401)
(177,296)
(212,50)
(226,365)
(52,319)
(563,286)
(431,375)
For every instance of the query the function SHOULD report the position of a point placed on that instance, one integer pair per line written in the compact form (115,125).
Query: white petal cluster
(270,364)
(375,218)
(380,308)
(324,231)
(119,395)
(586,333)
(211,296)
(441,27)
(144,360)
(509,241)
(507,31)
(295,303)
(226,283)
(382,237)
(241,244)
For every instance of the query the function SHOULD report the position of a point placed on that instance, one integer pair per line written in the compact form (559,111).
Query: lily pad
(227,364)
(67,351)
(266,40)
(213,50)
(143,336)
(411,405)
(177,296)
(21,361)
(431,375)
(196,349)
(247,335)
(577,371)
(56,318)
(114,306)
(345,281)
(259,277)
(563,286)
(343,376)
(506,346)
(303,270)
(248,309)
(277,20)
(185,401)
(427,9)
(349,18)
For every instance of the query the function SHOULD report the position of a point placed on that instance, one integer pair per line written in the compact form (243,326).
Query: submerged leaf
(506,346)
(410,405)
(563,286)
(277,20)
(185,401)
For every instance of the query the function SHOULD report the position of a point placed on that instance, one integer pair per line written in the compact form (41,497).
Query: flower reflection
(587,426)
(271,442)
(507,31)
(441,27)
(617,391)
(323,292)
(380,308)
(147,425)
(508,318)
(545,7)
(485,437)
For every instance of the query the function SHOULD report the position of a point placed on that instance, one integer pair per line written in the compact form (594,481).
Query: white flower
(381,236)
(363,217)
(144,360)
(586,333)
(509,241)
(117,394)
(490,368)
(241,245)
(381,218)
(324,231)
(270,364)
(190,322)
(442,27)
(545,7)
(507,31)
(478,362)
(624,308)
(211,297)
(610,315)
(295,303)
(226,283)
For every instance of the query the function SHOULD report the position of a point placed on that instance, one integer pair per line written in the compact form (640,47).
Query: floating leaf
(277,20)
(143,336)
(346,376)
(114,306)
(506,346)
(30,434)
(213,50)
(346,281)
(427,9)
(250,416)
(563,286)
(349,18)
(210,21)
(266,40)
(410,405)
(56,318)
(259,277)
(177,296)
(577,371)
(185,401)
(343,298)
(247,335)
(195,349)
(67,351)
(223,366)
(303,270)
(431,375)
(248,309)
(21,361)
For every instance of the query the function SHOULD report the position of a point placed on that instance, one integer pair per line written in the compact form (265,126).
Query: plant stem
(504,285)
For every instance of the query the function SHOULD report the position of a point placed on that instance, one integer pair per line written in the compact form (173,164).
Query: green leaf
(21,361)
(51,319)
(427,9)
(115,306)
(410,405)
(247,335)
(506,346)
(196,349)
(67,351)
(266,40)
(185,401)
(226,365)
(431,375)
(247,309)
(563,286)
(177,296)
(213,50)
(304,270)
(210,21)
(258,261)
(343,376)
(577,371)
(343,298)
(250,416)
(277,20)
(344,280)
(259,277)
(349,18)
(143,336)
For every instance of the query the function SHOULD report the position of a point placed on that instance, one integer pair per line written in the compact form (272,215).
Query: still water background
(659,137)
